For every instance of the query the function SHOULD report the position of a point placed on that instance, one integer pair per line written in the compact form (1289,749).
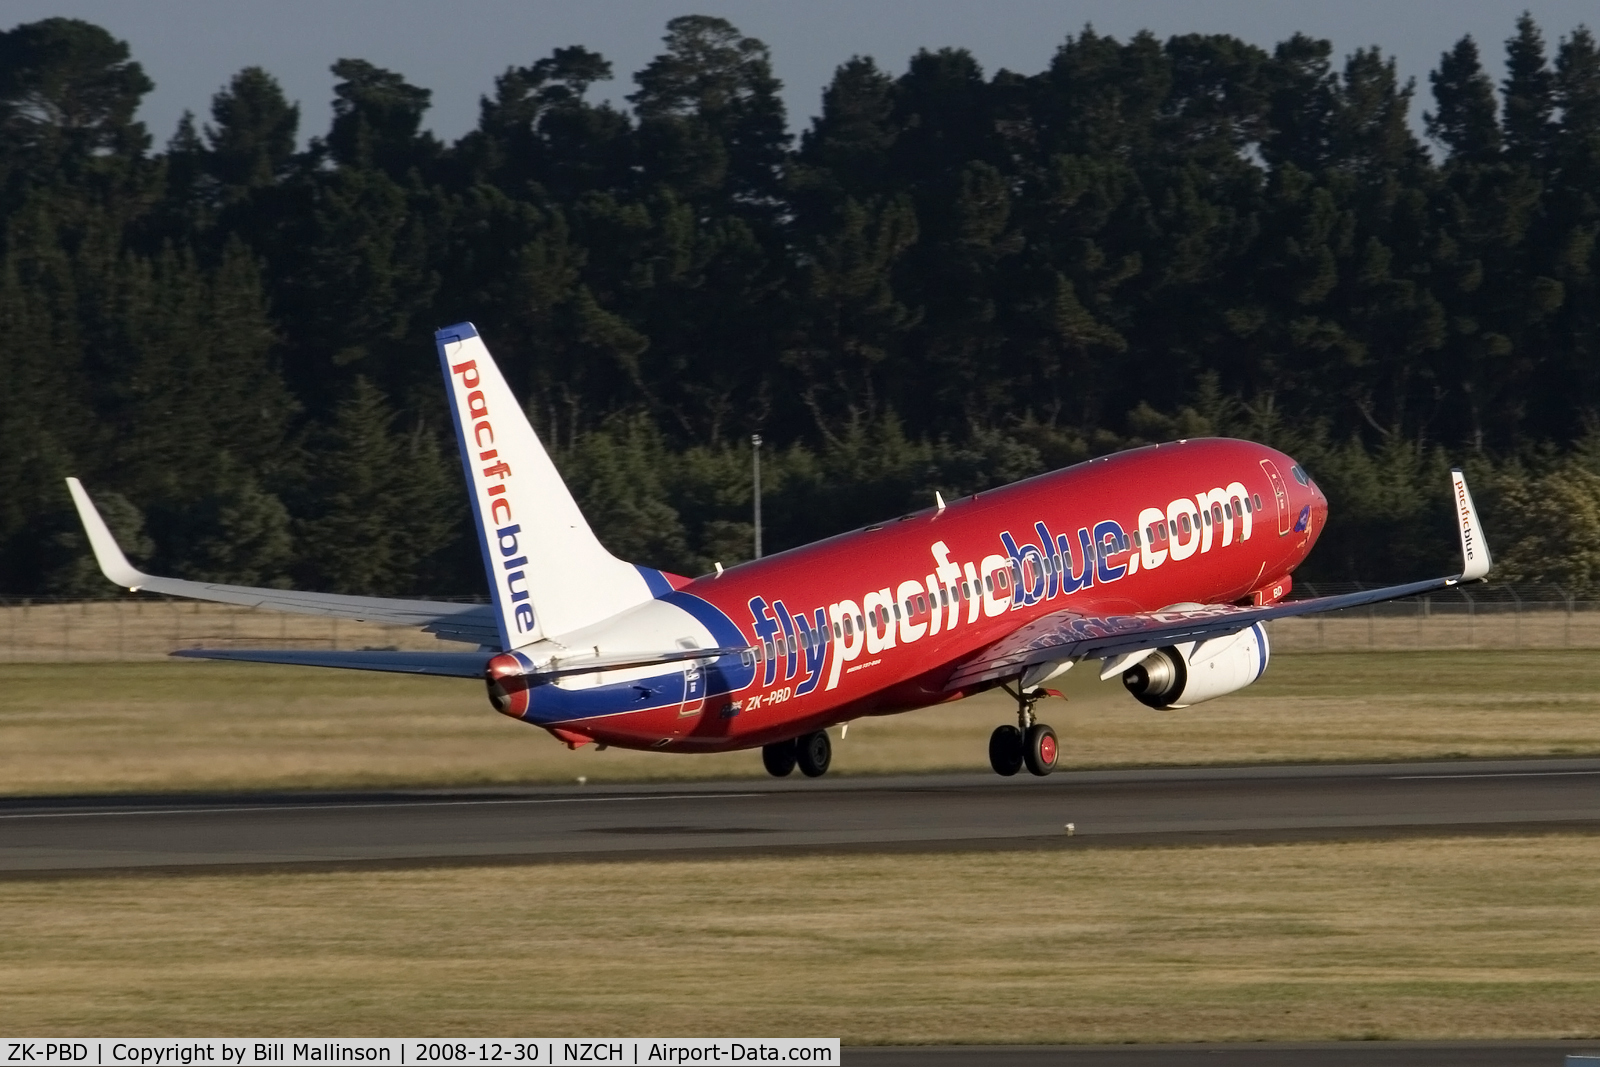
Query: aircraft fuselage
(876,621)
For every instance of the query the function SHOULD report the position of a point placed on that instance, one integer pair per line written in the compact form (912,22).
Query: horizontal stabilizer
(568,666)
(445,664)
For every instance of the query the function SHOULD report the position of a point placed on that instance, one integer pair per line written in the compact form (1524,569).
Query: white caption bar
(419,1052)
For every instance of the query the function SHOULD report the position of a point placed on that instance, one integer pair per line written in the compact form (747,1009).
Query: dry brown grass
(1416,939)
(187,725)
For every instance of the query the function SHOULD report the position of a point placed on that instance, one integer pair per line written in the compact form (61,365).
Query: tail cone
(507,679)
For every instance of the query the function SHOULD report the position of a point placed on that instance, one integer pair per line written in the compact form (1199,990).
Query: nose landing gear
(1029,743)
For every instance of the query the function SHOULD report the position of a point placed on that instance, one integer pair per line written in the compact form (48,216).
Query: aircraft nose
(1319,508)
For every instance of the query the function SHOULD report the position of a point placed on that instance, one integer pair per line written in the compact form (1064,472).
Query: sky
(190,48)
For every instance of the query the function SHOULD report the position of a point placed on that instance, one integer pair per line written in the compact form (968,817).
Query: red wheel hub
(1047,750)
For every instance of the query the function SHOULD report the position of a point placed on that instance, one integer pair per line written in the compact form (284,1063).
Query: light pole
(755,466)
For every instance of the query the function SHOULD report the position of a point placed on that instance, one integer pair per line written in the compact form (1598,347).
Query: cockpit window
(1299,475)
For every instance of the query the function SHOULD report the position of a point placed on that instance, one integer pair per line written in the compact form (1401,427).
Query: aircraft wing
(1069,636)
(472,623)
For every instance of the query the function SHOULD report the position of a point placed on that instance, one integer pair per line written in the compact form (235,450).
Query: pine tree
(380,508)
(710,117)
(376,118)
(1465,119)
(1529,95)
(253,139)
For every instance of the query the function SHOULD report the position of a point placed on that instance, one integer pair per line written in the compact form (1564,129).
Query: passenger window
(859,624)
(1227,511)
(1216,512)
(1257,497)
(1183,522)
(897,611)
(1173,523)
(922,604)
(1136,538)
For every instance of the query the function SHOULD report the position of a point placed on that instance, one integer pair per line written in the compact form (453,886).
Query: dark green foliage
(1465,120)
(254,137)
(379,500)
(954,278)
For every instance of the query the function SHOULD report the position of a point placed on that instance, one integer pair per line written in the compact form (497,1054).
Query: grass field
(68,727)
(1450,938)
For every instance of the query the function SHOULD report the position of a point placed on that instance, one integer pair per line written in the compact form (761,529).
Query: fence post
(1516,625)
(1566,629)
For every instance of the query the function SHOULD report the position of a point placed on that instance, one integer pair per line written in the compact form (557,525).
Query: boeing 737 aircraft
(1157,565)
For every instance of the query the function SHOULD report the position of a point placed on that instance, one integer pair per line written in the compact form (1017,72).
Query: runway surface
(1104,808)
(1258,1054)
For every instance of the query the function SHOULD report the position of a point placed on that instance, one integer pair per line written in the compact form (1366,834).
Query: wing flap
(1069,635)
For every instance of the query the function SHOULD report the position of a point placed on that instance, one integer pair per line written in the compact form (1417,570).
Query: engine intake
(1180,675)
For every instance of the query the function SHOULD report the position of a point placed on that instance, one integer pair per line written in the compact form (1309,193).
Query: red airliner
(1158,565)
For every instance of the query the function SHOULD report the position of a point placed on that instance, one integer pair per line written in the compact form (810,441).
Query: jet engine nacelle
(1180,675)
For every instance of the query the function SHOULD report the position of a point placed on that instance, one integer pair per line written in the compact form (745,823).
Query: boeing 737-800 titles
(1159,565)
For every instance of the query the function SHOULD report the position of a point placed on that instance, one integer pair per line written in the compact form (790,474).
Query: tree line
(950,279)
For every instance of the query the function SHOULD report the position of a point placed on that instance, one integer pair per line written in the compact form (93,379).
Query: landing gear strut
(1028,743)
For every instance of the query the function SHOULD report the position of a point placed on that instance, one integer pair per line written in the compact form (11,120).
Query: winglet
(113,564)
(1474,546)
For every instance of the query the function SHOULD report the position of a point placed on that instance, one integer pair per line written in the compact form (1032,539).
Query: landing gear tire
(1005,750)
(779,759)
(814,753)
(1039,749)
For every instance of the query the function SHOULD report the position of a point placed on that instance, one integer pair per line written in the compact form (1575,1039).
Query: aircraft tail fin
(548,573)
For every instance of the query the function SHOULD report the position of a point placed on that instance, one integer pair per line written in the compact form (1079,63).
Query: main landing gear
(812,753)
(1028,743)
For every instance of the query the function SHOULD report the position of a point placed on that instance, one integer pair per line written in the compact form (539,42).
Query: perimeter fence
(141,627)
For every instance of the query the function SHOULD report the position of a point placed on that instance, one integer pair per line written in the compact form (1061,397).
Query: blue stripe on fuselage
(551,705)
(655,581)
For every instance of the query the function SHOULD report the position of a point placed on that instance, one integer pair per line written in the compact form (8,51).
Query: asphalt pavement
(1257,1054)
(1085,809)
